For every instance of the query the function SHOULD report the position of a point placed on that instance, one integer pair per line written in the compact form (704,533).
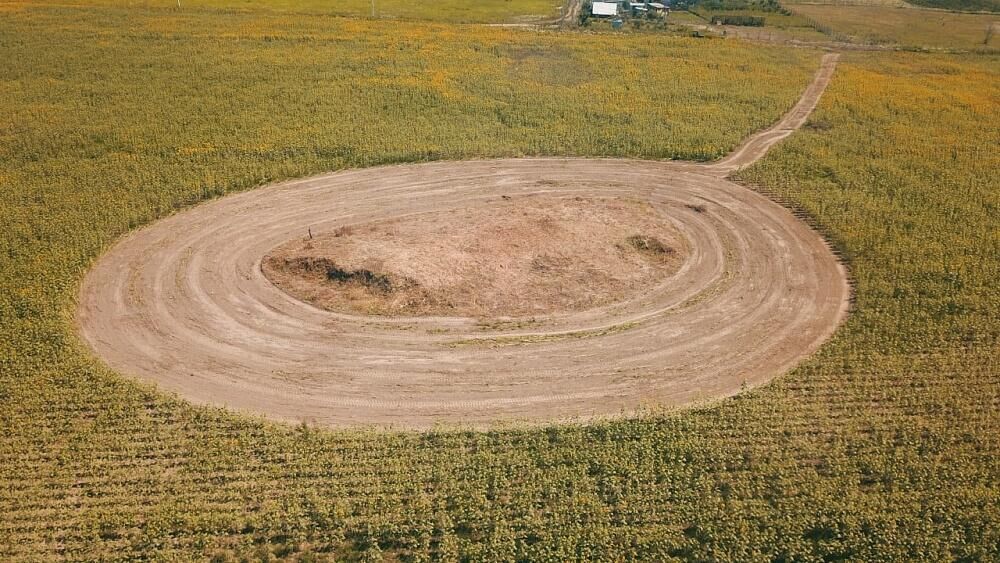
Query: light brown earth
(525,256)
(184,303)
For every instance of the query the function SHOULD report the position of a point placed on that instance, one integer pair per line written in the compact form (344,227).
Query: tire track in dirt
(183,303)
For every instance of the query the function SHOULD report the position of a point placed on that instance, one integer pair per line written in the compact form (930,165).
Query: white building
(604,8)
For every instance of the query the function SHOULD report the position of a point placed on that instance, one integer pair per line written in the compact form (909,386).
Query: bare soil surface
(184,302)
(511,257)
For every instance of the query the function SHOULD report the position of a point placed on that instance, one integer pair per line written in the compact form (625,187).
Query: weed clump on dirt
(368,279)
(649,245)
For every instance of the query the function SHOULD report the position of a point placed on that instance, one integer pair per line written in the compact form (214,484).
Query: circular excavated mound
(185,303)
(525,256)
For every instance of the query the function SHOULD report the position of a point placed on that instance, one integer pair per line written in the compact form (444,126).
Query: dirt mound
(513,257)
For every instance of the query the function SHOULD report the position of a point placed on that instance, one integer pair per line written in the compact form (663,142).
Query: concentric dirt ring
(183,303)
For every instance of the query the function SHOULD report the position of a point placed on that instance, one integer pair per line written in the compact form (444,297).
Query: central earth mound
(521,256)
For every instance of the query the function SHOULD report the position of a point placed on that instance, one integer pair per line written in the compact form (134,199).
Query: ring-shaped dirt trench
(184,303)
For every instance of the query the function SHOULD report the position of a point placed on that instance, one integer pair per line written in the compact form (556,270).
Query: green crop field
(905,27)
(452,11)
(882,446)
(884,3)
(961,5)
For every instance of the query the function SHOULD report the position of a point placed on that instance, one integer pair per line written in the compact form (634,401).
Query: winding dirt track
(183,302)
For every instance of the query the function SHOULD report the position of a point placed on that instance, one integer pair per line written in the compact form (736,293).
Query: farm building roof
(605,9)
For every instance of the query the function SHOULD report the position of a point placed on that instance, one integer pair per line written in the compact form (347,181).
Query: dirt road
(183,302)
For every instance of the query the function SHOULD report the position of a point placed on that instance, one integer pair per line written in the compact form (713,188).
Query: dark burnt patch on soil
(314,266)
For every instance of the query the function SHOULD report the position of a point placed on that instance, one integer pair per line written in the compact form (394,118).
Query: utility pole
(373,8)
